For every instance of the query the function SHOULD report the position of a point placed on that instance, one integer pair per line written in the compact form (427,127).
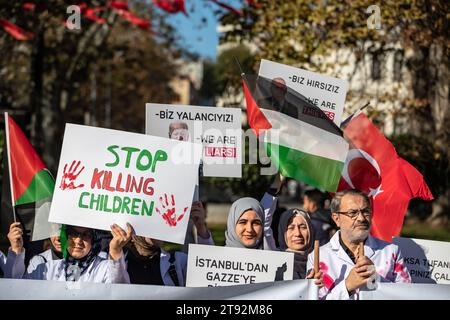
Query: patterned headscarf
(74,268)
(300,257)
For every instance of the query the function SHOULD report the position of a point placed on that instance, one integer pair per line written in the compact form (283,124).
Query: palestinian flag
(301,140)
(30,185)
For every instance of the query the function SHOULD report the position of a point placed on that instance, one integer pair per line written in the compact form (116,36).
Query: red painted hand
(168,211)
(69,176)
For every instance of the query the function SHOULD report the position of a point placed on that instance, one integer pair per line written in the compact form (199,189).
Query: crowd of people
(343,229)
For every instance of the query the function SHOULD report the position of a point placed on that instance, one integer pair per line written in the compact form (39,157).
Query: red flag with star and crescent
(373,166)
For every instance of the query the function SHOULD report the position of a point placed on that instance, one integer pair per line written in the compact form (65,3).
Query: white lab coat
(38,259)
(336,265)
(100,270)
(10,265)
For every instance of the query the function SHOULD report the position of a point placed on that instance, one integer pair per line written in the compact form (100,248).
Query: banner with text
(327,93)
(427,261)
(212,266)
(107,176)
(217,129)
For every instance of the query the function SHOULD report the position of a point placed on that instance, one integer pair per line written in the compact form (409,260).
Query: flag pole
(9,164)
(345,122)
(242,71)
(239,65)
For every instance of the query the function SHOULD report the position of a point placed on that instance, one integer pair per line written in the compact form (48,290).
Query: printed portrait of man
(179,131)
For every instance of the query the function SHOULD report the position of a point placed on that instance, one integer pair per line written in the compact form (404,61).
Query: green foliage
(306,33)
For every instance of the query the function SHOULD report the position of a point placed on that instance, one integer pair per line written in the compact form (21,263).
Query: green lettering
(125,203)
(117,204)
(135,206)
(148,155)
(159,156)
(116,162)
(80,202)
(148,211)
(129,151)
(105,207)
(94,201)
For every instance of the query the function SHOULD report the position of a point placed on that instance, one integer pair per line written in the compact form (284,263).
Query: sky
(198,37)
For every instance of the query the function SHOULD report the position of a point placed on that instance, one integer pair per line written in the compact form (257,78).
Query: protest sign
(211,266)
(108,176)
(427,261)
(218,129)
(327,93)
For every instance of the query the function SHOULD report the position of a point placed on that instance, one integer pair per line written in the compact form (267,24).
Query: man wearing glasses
(346,269)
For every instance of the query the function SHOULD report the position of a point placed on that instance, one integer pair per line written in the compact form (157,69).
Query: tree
(304,33)
(60,76)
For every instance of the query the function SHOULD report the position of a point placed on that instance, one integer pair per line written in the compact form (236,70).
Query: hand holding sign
(198,217)
(119,240)
(169,214)
(69,177)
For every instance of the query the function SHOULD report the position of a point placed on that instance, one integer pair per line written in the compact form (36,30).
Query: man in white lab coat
(346,270)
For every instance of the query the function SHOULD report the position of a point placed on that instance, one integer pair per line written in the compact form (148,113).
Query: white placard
(211,266)
(218,129)
(427,261)
(107,176)
(327,93)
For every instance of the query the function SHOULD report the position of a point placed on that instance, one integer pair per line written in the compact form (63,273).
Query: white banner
(211,266)
(427,261)
(218,129)
(108,176)
(15,289)
(327,93)
(406,291)
(12,289)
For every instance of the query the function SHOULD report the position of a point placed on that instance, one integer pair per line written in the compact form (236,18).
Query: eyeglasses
(354,213)
(86,235)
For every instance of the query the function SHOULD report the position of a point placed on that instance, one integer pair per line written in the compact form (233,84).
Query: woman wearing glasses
(80,262)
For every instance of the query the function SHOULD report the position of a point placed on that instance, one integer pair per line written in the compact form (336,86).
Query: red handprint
(69,177)
(170,216)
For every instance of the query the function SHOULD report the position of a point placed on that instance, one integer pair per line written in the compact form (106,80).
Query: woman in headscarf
(245,224)
(295,234)
(80,257)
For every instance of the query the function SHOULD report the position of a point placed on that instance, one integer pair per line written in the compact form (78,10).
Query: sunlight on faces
(56,242)
(79,241)
(297,233)
(249,228)
(355,230)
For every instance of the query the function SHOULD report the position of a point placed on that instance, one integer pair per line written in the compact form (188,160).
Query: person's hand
(318,278)
(119,240)
(277,183)
(360,274)
(198,217)
(15,237)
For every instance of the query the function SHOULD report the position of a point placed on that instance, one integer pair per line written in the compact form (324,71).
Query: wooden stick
(361,249)
(316,256)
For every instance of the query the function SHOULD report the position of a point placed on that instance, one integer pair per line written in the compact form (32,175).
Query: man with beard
(346,268)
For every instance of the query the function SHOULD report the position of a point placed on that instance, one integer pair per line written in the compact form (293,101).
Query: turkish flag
(373,166)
